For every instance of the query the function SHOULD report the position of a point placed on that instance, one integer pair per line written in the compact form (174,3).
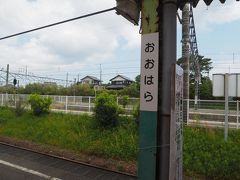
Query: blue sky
(217,28)
(78,48)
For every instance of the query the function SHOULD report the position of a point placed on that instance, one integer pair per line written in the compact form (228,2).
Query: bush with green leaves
(106,110)
(136,112)
(39,105)
(125,101)
(20,106)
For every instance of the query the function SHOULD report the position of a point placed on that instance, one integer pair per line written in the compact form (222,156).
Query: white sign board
(233,85)
(176,136)
(218,85)
(149,72)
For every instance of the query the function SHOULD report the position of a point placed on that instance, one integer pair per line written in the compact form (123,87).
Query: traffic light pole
(158,41)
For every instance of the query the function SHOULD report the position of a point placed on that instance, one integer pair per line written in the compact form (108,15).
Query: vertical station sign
(149,72)
(148,106)
(176,136)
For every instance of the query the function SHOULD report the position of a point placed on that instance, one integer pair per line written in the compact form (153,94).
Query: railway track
(65,167)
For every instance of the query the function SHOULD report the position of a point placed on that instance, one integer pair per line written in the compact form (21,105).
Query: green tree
(206,88)
(130,90)
(133,90)
(41,88)
(205,65)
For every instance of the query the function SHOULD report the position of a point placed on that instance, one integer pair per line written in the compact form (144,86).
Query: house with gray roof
(90,80)
(119,82)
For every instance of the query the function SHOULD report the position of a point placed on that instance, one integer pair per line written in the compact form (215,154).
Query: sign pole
(158,54)
(147,169)
(226,107)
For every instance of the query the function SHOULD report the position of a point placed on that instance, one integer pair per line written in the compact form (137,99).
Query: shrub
(106,110)
(125,100)
(39,105)
(136,112)
(20,107)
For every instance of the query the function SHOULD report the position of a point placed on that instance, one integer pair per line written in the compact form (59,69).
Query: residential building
(90,80)
(119,82)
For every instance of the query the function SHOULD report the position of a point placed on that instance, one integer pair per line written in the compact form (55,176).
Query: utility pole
(100,74)
(158,56)
(67,80)
(194,56)
(26,71)
(185,58)
(7,74)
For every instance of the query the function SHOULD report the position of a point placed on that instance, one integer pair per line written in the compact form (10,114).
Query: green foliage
(125,101)
(206,153)
(39,105)
(205,65)
(7,89)
(73,132)
(131,90)
(20,107)
(136,112)
(206,88)
(41,88)
(108,91)
(106,110)
(80,90)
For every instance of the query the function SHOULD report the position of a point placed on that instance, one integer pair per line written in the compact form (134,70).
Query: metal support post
(66,107)
(237,114)
(2,99)
(7,74)
(158,54)
(226,107)
(168,55)
(188,111)
(89,104)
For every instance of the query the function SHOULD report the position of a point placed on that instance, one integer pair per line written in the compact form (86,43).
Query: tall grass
(75,132)
(206,153)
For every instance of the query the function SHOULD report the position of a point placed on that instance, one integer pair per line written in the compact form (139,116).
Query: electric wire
(58,23)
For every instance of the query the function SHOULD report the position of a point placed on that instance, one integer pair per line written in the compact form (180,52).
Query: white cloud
(216,14)
(69,45)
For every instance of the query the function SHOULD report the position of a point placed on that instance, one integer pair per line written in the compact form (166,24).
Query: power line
(57,23)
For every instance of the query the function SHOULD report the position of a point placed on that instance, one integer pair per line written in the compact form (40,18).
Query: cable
(57,23)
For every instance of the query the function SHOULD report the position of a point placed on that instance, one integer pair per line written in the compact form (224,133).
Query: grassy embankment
(206,154)
(74,132)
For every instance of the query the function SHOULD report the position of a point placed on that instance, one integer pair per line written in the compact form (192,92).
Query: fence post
(187,111)
(226,80)
(66,105)
(2,99)
(6,98)
(15,100)
(237,114)
(89,104)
